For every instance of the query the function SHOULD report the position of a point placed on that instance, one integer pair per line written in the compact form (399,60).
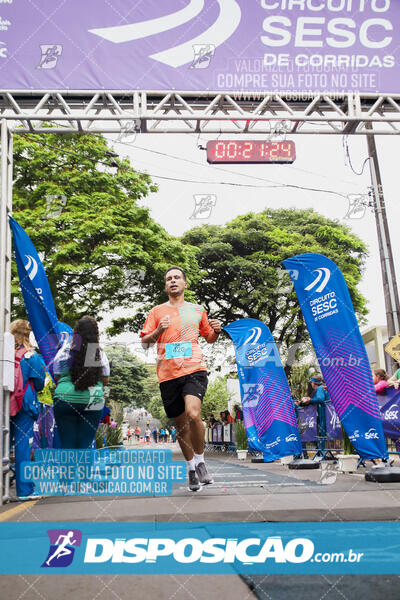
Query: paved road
(241,492)
(324,587)
(233,477)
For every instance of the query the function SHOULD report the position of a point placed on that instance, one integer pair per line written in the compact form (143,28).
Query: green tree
(107,435)
(150,383)
(216,398)
(100,248)
(128,377)
(298,379)
(242,276)
(156,409)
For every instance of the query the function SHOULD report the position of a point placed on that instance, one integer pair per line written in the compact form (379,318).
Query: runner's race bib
(178,350)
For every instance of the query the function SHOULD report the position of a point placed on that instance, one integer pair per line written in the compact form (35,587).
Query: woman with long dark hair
(81,368)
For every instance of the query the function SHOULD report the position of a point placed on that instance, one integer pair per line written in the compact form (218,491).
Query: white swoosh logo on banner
(226,24)
(31,263)
(323,271)
(255,333)
(136,31)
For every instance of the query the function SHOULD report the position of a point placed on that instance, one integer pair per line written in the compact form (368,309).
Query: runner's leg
(184,436)
(192,410)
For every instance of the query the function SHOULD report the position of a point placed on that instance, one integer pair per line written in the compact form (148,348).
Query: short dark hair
(178,268)
(382,374)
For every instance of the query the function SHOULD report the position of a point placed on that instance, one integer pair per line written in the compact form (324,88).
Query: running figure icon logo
(252,393)
(50,55)
(62,547)
(203,206)
(203,54)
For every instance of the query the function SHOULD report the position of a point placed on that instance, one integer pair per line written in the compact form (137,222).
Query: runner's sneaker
(194,484)
(203,475)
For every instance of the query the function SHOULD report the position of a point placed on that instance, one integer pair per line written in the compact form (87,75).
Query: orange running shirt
(187,322)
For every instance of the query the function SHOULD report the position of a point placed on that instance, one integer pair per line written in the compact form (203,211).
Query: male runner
(181,369)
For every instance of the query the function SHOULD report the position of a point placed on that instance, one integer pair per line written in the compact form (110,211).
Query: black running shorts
(174,391)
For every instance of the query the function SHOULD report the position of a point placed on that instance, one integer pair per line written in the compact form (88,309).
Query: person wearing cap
(319,397)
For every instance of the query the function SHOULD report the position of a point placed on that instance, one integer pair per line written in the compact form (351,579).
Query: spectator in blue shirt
(24,413)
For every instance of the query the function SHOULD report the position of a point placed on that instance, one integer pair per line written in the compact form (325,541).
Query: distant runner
(181,369)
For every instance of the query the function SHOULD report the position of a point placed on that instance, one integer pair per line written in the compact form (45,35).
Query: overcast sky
(320,163)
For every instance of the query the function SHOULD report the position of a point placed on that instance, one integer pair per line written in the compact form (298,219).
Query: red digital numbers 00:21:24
(252,151)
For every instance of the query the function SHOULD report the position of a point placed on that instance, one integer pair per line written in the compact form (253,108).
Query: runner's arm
(216,330)
(148,339)
(151,338)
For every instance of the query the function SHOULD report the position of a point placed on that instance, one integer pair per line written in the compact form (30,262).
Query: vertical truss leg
(6,157)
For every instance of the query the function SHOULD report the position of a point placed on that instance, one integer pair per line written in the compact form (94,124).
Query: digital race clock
(254,151)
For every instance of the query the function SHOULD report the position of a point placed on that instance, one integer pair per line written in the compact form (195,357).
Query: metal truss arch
(199,112)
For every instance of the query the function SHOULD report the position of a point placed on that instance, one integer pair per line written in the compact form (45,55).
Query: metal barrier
(220,438)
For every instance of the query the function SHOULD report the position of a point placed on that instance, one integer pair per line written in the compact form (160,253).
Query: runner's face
(175,283)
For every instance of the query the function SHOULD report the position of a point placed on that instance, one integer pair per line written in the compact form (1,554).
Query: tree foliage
(216,398)
(150,384)
(128,377)
(109,436)
(242,275)
(100,248)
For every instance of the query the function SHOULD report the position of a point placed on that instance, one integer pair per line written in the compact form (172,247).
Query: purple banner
(307,420)
(333,427)
(219,45)
(389,404)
